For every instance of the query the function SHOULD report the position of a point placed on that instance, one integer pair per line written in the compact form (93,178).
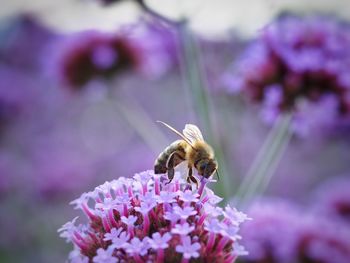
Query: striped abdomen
(161,162)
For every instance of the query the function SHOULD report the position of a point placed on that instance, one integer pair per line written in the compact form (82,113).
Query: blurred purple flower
(271,235)
(87,55)
(296,61)
(322,240)
(152,236)
(332,198)
(159,47)
(282,232)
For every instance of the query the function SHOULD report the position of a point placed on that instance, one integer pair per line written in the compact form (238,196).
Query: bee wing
(192,133)
(178,133)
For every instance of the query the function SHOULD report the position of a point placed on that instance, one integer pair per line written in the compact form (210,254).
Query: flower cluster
(144,48)
(332,198)
(271,236)
(296,62)
(159,46)
(282,232)
(148,219)
(322,240)
(92,54)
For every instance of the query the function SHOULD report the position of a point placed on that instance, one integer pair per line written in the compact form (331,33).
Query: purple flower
(114,234)
(155,227)
(88,55)
(172,217)
(297,63)
(323,240)
(121,241)
(166,197)
(129,220)
(67,229)
(185,212)
(271,235)
(188,196)
(283,232)
(104,256)
(159,48)
(157,241)
(213,226)
(76,257)
(137,247)
(188,249)
(234,215)
(182,229)
(332,198)
(212,210)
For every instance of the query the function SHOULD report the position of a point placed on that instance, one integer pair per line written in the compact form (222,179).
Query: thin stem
(138,118)
(267,160)
(275,161)
(157,15)
(142,123)
(259,159)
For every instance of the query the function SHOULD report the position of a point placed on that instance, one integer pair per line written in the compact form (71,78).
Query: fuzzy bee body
(160,165)
(192,149)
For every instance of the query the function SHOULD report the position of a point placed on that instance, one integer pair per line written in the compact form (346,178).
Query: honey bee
(193,149)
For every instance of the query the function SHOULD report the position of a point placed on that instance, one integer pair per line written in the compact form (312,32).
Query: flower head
(271,235)
(92,54)
(332,198)
(297,64)
(322,240)
(282,232)
(161,222)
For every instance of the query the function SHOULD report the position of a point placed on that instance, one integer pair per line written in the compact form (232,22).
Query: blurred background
(82,83)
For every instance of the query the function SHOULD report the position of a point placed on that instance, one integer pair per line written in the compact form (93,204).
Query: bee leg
(172,161)
(194,180)
(189,174)
(190,177)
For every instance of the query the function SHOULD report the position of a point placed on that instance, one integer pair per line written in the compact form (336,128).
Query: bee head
(206,167)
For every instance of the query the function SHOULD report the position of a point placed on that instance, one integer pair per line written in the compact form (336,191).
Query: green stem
(143,124)
(137,118)
(275,161)
(266,162)
(259,159)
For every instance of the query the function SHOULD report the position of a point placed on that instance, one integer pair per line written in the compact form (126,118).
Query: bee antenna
(217,174)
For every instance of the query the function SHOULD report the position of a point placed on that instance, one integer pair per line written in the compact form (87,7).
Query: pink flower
(144,219)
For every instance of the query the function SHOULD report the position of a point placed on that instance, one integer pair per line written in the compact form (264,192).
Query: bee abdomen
(161,161)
